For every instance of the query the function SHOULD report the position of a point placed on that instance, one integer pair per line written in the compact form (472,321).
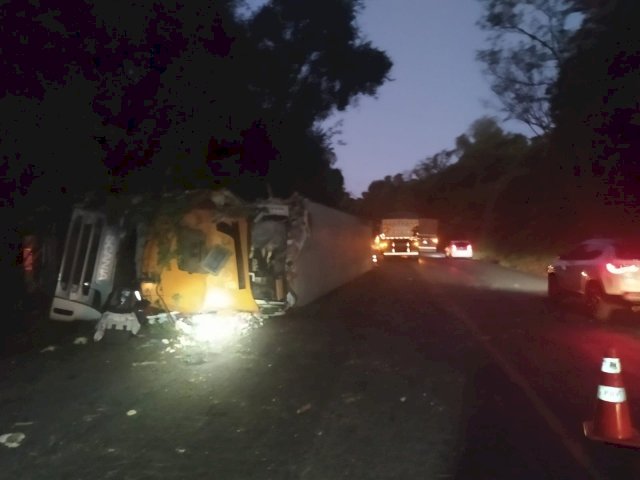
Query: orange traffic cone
(612,422)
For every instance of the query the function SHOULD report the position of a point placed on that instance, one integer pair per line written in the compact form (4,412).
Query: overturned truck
(206,251)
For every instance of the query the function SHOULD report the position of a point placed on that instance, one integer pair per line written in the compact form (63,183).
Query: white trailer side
(336,251)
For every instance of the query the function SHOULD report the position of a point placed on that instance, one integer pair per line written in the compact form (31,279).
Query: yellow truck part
(207,265)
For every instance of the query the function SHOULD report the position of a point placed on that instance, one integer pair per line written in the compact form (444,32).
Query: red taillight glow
(620,269)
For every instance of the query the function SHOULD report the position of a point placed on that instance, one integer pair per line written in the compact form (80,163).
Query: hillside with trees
(569,70)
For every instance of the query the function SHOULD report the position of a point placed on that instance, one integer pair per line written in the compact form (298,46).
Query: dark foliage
(156,96)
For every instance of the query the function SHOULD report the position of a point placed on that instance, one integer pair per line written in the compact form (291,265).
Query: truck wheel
(596,303)
(554,292)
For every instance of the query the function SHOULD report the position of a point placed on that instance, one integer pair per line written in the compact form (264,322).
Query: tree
(466,191)
(310,61)
(434,164)
(383,197)
(131,78)
(596,107)
(165,95)
(528,40)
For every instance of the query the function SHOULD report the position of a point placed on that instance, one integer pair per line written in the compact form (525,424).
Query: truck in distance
(427,235)
(397,238)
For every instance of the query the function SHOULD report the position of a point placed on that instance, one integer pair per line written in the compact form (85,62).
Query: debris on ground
(23,424)
(147,362)
(348,398)
(50,348)
(80,341)
(161,318)
(304,408)
(116,321)
(131,413)
(12,440)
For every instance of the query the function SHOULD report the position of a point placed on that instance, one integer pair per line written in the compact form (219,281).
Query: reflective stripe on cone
(612,421)
(612,394)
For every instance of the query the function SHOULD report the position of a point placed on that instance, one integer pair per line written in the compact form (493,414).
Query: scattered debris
(131,413)
(181,450)
(150,343)
(197,358)
(50,348)
(80,341)
(23,424)
(403,399)
(304,408)
(147,362)
(348,398)
(161,318)
(116,321)
(12,440)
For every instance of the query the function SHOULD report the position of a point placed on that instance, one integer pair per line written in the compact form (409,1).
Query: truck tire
(596,303)
(554,292)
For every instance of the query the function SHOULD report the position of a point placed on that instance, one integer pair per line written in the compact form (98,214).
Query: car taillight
(621,268)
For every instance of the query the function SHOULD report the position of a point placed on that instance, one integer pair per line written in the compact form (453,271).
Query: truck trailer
(397,238)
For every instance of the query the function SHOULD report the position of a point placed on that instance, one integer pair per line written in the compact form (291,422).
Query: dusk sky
(437,91)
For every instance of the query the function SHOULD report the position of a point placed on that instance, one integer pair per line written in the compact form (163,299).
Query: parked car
(603,272)
(458,249)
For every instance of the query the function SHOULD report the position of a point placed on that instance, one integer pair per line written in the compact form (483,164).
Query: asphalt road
(438,369)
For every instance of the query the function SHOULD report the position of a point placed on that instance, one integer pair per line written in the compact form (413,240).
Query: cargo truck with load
(406,237)
(397,238)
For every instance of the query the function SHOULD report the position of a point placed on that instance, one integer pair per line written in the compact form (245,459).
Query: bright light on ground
(215,329)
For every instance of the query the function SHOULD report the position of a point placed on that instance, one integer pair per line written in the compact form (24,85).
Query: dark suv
(604,272)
